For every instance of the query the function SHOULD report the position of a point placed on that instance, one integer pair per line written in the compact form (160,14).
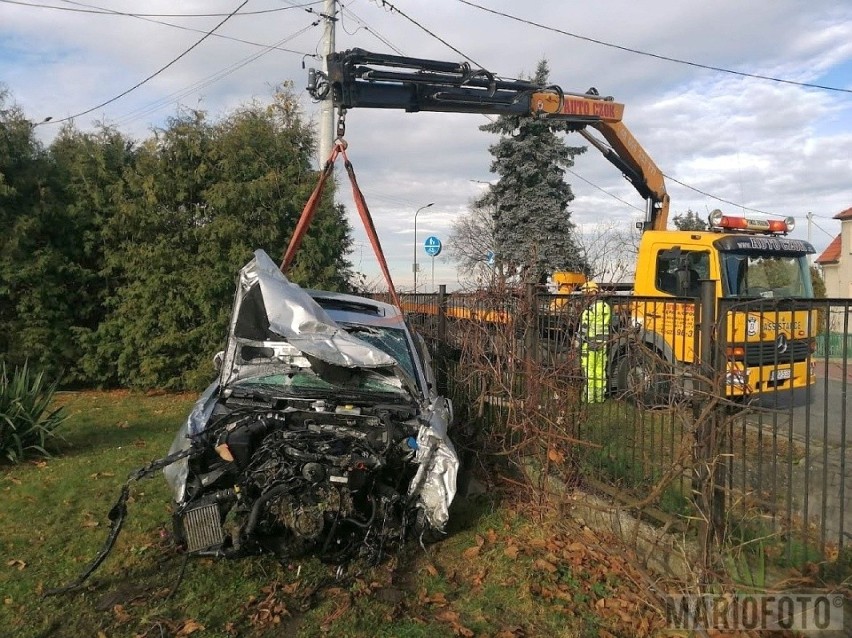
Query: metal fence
(735,414)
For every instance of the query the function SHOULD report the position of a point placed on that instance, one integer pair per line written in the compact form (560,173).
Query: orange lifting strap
(360,204)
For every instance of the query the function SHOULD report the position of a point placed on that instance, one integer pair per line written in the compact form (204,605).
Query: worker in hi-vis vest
(594,334)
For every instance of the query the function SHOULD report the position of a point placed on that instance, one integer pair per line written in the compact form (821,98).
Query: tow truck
(752,263)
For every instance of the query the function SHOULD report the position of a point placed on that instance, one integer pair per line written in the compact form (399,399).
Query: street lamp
(414,267)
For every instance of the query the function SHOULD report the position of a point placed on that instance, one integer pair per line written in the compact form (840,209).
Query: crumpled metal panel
(435,480)
(299,320)
(177,473)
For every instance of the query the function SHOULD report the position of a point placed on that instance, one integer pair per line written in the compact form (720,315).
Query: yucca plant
(26,421)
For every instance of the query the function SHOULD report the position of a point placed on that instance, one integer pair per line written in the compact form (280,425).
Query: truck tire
(644,377)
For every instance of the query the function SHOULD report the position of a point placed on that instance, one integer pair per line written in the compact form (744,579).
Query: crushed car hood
(276,326)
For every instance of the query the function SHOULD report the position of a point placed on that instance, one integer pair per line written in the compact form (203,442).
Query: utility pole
(326,135)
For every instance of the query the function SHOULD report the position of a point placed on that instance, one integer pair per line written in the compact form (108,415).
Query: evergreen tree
(87,172)
(689,221)
(118,262)
(533,231)
(51,204)
(200,199)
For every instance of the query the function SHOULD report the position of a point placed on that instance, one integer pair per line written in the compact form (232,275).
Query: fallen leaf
(17,563)
(491,536)
(190,627)
(101,634)
(555,455)
(478,578)
(448,615)
(544,565)
(120,615)
(438,598)
(471,552)
(511,551)
(98,475)
(431,570)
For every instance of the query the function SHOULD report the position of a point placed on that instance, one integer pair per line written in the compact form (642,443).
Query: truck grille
(202,528)
(766,352)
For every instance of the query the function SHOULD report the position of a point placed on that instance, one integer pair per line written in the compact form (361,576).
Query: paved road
(818,486)
(824,418)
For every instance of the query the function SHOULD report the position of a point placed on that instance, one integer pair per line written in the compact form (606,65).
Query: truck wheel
(643,378)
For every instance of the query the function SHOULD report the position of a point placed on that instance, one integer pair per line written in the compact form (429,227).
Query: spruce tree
(533,232)
(689,220)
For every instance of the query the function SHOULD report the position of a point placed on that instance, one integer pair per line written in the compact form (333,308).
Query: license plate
(780,375)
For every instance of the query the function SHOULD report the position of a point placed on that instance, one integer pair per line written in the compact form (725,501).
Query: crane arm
(361,79)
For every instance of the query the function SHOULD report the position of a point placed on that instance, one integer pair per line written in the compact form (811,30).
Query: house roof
(844,214)
(831,255)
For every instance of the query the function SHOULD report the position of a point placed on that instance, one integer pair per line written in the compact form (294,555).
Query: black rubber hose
(369,522)
(116,516)
(268,495)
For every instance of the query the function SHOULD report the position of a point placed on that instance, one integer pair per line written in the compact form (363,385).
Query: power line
(390,7)
(368,28)
(99,11)
(719,199)
(604,191)
(180,26)
(205,82)
(155,73)
(652,55)
(823,230)
(698,190)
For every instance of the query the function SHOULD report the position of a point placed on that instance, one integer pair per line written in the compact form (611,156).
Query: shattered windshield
(746,274)
(392,341)
(350,380)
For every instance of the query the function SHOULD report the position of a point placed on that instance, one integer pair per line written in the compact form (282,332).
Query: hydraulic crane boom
(361,79)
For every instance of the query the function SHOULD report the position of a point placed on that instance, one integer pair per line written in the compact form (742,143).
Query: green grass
(53,515)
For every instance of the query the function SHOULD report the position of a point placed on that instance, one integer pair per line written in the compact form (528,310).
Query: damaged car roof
(274,321)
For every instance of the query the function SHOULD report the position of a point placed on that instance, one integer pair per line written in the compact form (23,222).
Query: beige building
(836,260)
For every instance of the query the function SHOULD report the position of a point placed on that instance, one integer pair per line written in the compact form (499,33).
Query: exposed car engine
(323,433)
(304,477)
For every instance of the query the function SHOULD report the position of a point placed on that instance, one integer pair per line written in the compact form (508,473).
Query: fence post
(442,347)
(707,468)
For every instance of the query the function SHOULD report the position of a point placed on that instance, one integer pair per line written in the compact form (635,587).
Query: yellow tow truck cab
(768,343)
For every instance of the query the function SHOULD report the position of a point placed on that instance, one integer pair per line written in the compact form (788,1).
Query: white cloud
(776,147)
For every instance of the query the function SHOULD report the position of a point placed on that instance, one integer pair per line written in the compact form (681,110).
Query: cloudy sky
(777,147)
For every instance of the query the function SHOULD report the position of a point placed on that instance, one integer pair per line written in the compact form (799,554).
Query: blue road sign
(432,246)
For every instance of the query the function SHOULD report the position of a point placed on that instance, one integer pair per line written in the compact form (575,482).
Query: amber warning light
(769,226)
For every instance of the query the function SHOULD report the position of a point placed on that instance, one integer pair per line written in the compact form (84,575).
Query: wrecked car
(323,432)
